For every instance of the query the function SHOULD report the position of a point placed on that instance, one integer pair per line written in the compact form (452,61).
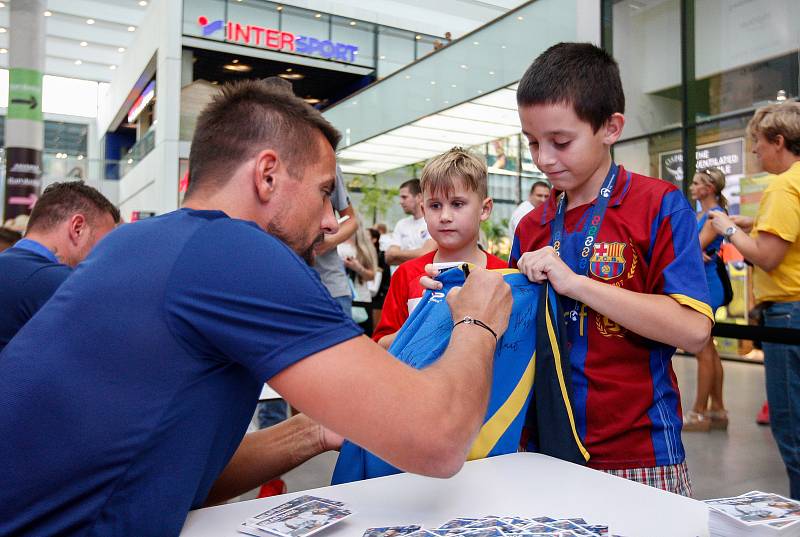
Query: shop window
(302,22)
(357,33)
(746,54)
(211,11)
(648,49)
(659,155)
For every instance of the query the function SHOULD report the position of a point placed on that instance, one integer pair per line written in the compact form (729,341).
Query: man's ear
(612,128)
(77,228)
(264,174)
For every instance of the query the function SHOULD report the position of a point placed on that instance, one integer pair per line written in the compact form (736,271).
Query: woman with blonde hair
(361,262)
(706,189)
(771,242)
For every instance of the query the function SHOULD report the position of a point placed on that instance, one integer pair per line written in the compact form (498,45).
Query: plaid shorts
(673,478)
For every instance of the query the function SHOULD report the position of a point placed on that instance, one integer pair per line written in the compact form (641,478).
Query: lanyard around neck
(591,228)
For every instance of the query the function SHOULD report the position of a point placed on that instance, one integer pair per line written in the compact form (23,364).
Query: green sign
(25,94)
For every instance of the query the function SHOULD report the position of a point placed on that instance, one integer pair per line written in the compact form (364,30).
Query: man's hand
(330,440)
(545,264)
(485,296)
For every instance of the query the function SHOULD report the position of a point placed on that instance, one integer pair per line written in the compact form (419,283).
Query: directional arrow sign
(30,101)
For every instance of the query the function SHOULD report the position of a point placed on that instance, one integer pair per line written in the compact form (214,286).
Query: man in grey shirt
(328,264)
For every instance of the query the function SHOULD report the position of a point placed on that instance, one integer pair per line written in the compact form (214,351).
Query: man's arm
(421,421)
(657,317)
(346,230)
(395,256)
(270,452)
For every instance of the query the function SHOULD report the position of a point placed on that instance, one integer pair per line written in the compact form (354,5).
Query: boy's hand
(545,264)
(485,296)
(428,282)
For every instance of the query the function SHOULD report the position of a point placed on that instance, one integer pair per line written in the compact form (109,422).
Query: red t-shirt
(405,292)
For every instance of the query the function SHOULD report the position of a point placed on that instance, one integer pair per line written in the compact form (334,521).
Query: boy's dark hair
(250,115)
(537,184)
(60,201)
(577,74)
(413,186)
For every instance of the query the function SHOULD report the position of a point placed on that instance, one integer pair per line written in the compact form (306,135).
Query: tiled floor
(721,463)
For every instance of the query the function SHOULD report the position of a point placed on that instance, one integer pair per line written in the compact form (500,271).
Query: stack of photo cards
(754,514)
(497,526)
(299,517)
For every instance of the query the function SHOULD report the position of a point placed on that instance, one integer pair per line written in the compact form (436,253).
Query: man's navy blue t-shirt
(29,275)
(123,399)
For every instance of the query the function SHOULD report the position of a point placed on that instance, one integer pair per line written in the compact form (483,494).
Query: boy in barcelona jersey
(622,251)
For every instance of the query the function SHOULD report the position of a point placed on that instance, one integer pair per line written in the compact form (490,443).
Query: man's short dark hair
(577,74)
(413,186)
(246,117)
(60,201)
(537,184)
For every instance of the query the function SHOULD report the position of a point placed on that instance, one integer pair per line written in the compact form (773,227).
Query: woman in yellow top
(773,247)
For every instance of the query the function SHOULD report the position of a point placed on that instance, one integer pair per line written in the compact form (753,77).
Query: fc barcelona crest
(608,260)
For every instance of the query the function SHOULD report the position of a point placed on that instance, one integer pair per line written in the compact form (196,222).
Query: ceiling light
(89,21)
(238,68)
(80,157)
(519,18)
(502,46)
(452,85)
(48,13)
(383,57)
(130,161)
(433,82)
(142,3)
(447,102)
(2,30)
(464,66)
(84,44)
(475,43)
(3,51)
(112,67)
(417,37)
(279,8)
(311,100)
(427,99)
(131,28)
(352,23)
(318,15)
(121,49)
(408,77)
(288,69)
(2,4)
(291,76)
(491,72)
(78,62)
(234,61)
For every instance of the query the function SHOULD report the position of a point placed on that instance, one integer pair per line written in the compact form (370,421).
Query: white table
(526,484)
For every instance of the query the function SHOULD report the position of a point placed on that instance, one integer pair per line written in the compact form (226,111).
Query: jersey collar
(621,189)
(37,248)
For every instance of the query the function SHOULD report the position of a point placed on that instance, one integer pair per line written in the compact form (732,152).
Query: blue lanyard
(590,230)
(37,248)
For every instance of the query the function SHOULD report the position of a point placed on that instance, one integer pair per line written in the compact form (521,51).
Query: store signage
(259,36)
(727,155)
(141,103)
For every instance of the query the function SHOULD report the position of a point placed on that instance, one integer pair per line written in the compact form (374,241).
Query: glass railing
(492,57)
(139,150)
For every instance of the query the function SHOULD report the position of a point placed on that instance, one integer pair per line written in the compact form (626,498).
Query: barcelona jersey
(625,393)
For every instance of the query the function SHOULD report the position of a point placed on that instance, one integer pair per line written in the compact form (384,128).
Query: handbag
(725,279)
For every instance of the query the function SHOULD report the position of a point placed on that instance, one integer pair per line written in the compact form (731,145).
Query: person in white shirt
(540,193)
(410,238)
